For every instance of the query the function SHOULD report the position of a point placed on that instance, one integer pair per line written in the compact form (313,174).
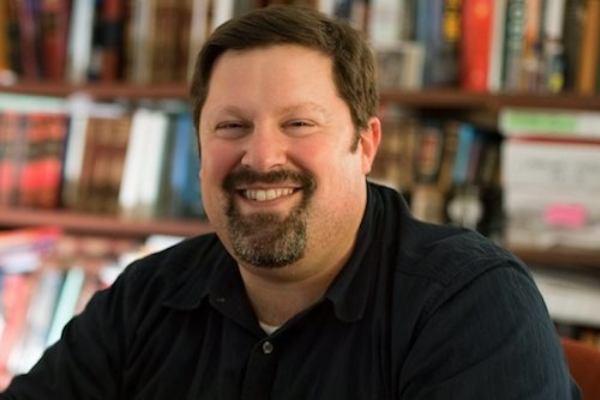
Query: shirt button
(267,347)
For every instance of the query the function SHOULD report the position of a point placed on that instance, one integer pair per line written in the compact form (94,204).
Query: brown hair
(353,64)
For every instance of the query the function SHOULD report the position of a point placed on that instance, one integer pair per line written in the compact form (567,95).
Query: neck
(277,296)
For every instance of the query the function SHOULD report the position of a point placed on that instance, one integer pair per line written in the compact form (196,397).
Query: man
(316,284)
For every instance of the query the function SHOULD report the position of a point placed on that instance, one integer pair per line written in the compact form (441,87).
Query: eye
(231,129)
(299,126)
(299,123)
(229,125)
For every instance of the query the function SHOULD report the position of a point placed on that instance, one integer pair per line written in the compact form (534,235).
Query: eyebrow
(288,109)
(309,105)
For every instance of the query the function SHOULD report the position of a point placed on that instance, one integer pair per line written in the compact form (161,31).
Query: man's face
(280,183)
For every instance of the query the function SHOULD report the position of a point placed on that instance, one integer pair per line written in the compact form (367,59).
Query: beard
(268,239)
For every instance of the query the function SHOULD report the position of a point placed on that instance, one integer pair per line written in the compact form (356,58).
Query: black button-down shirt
(419,312)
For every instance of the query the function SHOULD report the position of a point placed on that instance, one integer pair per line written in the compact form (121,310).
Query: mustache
(248,176)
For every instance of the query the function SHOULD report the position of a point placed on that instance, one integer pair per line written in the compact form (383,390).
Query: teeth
(269,194)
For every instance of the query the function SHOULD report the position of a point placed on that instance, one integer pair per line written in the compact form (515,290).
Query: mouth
(262,195)
(269,191)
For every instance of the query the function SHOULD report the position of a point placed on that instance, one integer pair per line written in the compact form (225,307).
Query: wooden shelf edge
(558,257)
(101,225)
(441,98)
(464,100)
(102,90)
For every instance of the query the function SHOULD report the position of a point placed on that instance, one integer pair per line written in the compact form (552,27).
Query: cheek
(218,159)
(216,162)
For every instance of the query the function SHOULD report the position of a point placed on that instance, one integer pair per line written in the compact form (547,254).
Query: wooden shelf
(102,91)
(113,226)
(559,257)
(451,99)
(100,224)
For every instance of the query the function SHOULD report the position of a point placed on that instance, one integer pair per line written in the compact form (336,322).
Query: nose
(265,148)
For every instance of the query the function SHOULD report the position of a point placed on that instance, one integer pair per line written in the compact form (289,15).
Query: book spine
(112,27)
(513,44)
(475,44)
(590,46)
(27,39)
(54,24)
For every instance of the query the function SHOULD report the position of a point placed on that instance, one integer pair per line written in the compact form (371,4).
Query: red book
(53,35)
(16,293)
(30,177)
(12,148)
(476,39)
(51,161)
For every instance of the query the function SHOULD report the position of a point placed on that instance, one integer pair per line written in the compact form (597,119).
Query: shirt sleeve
(85,361)
(489,338)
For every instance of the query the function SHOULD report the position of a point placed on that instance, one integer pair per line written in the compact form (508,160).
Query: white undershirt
(269,329)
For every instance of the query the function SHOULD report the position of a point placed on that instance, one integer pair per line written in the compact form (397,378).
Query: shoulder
(198,252)
(440,253)
(155,278)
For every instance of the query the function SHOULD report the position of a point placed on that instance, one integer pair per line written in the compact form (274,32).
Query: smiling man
(283,173)
(316,283)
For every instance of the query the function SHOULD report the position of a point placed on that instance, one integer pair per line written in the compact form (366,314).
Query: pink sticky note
(566,215)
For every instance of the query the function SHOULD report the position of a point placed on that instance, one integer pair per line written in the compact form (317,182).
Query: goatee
(269,239)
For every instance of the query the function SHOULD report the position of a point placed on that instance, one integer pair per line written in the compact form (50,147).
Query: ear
(369,143)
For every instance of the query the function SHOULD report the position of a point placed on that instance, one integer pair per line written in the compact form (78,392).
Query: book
(103,161)
(222,11)
(199,31)
(139,189)
(394,163)
(572,31)
(438,30)
(513,44)
(385,24)
(30,62)
(46,184)
(551,187)
(554,46)
(4,40)
(531,66)
(66,303)
(32,341)
(12,143)
(79,46)
(497,53)
(400,66)
(572,296)
(17,289)
(81,109)
(53,16)
(112,16)
(427,201)
(477,20)
(465,207)
(587,72)
(164,60)
(20,249)
(549,122)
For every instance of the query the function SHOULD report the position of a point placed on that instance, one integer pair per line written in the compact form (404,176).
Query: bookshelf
(442,99)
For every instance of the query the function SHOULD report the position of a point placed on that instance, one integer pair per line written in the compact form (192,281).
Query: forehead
(287,56)
(273,73)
